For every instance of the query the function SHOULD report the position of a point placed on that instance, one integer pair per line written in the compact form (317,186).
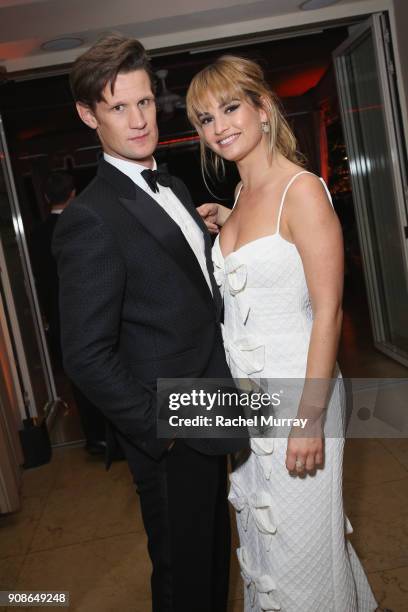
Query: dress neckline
(274,235)
(277,232)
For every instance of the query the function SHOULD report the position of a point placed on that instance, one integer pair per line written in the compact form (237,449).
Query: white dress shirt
(170,204)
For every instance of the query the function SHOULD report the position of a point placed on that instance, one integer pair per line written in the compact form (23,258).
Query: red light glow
(177,140)
(299,82)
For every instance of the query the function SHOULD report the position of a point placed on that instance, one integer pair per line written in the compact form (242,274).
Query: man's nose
(137,119)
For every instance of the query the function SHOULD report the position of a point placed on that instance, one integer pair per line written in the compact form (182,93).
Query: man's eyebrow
(114,104)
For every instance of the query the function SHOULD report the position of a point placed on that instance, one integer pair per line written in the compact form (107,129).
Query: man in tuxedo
(139,302)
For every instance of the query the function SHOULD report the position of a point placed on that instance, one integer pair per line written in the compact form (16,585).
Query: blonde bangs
(220,81)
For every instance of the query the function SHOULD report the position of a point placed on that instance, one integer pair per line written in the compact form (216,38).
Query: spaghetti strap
(327,191)
(284,195)
(238,194)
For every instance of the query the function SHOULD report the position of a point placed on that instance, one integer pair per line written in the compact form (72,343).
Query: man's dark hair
(58,187)
(110,55)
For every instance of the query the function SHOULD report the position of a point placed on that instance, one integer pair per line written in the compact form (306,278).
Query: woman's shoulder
(304,186)
(307,202)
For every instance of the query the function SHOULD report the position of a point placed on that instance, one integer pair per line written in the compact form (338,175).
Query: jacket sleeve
(92,282)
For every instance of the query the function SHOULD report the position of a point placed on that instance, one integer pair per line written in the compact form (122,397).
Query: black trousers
(185,513)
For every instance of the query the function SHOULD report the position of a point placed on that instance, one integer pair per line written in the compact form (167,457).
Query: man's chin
(139,157)
(142,153)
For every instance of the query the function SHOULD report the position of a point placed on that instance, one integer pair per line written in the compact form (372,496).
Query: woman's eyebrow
(221,105)
(226,102)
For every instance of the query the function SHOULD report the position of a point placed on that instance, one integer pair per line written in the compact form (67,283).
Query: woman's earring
(265,127)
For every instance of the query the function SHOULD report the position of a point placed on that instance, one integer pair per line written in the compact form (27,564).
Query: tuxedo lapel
(180,193)
(163,229)
(167,233)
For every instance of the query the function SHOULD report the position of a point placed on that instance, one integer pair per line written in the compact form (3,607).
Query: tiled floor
(80,530)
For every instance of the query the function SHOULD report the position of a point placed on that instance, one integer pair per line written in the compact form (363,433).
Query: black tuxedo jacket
(135,305)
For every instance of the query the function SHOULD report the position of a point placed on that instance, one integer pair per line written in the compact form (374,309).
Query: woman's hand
(214,216)
(304,455)
(209,214)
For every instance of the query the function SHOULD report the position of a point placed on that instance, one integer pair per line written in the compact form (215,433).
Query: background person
(59,191)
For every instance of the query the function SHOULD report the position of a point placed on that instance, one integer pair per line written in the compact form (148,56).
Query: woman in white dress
(279,263)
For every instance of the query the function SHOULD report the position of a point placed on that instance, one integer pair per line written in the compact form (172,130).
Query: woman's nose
(220,124)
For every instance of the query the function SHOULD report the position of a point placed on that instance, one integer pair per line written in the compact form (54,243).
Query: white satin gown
(294,553)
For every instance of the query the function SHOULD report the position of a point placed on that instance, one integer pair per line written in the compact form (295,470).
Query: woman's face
(231,129)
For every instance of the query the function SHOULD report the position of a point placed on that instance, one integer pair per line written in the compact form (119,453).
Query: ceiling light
(62,44)
(316,4)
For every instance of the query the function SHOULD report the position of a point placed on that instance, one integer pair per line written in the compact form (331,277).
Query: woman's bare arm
(316,232)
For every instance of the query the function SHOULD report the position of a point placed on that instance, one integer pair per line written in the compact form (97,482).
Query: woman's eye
(118,108)
(231,108)
(205,120)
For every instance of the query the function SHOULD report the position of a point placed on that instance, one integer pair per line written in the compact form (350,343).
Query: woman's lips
(228,140)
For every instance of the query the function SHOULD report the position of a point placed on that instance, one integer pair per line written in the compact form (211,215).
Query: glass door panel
(21,303)
(377,168)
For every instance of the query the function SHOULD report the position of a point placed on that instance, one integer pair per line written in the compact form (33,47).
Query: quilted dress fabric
(294,553)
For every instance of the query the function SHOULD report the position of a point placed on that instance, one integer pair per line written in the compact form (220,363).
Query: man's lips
(227,140)
(140,137)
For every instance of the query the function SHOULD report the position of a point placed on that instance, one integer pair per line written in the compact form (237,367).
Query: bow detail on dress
(260,587)
(236,275)
(256,504)
(218,261)
(262,447)
(247,353)
(349,528)
(231,275)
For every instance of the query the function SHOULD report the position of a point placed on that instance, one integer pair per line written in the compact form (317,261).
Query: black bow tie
(152,177)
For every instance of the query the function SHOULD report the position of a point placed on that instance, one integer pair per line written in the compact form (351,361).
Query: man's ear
(87,115)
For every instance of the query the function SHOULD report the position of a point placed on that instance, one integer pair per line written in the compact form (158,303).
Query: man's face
(125,121)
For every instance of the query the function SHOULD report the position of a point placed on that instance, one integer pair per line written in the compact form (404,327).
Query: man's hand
(209,214)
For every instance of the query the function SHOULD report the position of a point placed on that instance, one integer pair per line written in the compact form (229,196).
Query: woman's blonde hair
(232,77)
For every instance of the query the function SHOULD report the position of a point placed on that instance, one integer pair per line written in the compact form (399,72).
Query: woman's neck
(256,168)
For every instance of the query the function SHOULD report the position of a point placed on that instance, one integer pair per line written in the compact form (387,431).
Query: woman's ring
(299,464)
